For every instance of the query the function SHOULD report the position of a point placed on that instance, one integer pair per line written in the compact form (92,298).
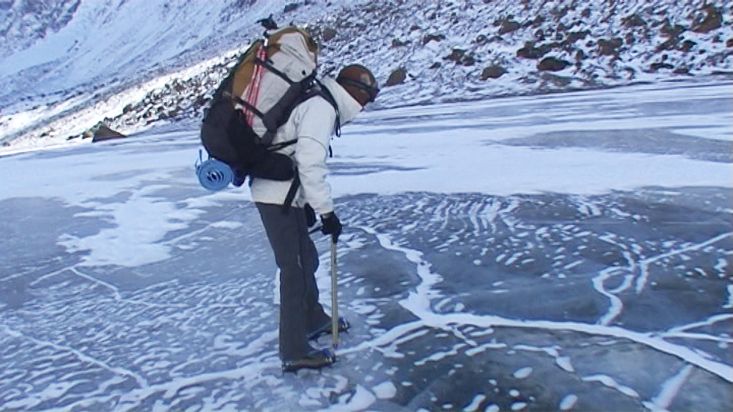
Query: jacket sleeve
(314,127)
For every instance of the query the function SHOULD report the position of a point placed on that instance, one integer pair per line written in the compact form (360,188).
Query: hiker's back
(312,123)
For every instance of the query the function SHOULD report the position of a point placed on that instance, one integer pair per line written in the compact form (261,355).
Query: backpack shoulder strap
(318,89)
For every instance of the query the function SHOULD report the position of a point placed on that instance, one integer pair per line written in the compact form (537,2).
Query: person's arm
(314,127)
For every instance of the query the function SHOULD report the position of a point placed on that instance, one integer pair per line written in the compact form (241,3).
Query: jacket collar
(349,108)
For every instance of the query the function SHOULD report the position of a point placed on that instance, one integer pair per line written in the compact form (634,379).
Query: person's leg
(316,316)
(283,233)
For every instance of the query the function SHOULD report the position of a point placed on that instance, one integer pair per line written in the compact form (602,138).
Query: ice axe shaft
(334,298)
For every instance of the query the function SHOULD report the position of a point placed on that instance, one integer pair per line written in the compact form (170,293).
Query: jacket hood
(349,108)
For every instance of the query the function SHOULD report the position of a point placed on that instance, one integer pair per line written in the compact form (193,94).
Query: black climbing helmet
(360,78)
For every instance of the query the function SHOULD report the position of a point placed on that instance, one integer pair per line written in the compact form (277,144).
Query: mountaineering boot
(316,359)
(325,329)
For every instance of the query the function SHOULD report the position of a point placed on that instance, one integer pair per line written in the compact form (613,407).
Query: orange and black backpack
(257,97)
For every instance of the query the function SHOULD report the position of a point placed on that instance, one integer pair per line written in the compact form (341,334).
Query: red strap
(253,89)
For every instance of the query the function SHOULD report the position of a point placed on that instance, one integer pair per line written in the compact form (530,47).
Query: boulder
(290,7)
(659,66)
(629,39)
(397,77)
(398,43)
(481,39)
(536,22)
(492,72)
(529,51)
(432,37)
(552,64)
(609,47)
(672,30)
(687,45)
(633,20)
(459,56)
(328,34)
(456,55)
(508,26)
(713,19)
(103,133)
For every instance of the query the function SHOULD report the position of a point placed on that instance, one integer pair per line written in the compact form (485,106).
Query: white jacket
(312,124)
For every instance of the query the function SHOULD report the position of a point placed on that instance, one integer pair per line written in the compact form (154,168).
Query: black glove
(310,215)
(331,226)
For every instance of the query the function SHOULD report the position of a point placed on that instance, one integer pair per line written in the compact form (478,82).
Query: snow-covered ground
(567,252)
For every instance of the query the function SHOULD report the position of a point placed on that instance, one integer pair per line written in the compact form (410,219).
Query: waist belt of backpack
(291,193)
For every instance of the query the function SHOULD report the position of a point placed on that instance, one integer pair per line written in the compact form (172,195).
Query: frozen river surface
(567,252)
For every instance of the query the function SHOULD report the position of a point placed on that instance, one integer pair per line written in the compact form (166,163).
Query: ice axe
(334,298)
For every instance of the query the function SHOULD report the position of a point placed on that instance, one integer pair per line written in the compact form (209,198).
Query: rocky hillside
(456,50)
(424,52)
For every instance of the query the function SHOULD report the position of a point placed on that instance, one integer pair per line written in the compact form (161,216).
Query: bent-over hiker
(312,123)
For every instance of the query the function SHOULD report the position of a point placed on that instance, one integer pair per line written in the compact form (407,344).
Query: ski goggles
(370,89)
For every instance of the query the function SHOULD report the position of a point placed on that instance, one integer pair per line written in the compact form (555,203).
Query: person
(312,123)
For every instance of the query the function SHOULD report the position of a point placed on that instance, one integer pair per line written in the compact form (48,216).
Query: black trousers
(297,258)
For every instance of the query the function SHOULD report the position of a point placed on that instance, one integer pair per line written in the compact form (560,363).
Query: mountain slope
(422,53)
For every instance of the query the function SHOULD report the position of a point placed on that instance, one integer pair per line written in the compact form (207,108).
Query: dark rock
(681,70)
(456,55)
(669,44)
(585,13)
(629,38)
(712,20)
(432,37)
(103,132)
(579,56)
(729,43)
(609,47)
(328,34)
(468,60)
(290,7)
(492,72)
(658,66)
(481,39)
(633,20)
(536,22)
(461,57)
(435,65)
(529,51)
(398,43)
(574,36)
(672,30)
(397,77)
(508,26)
(687,45)
(552,64)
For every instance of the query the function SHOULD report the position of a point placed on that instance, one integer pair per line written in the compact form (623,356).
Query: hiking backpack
(257,97)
